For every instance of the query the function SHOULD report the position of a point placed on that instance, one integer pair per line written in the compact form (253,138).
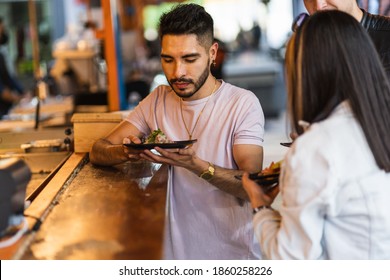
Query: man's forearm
(107,154)
(224,180)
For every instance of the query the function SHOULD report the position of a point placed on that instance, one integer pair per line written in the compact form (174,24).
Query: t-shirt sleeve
(142,114)
(250,122)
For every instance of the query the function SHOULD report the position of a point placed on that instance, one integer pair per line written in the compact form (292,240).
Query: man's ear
(213,51)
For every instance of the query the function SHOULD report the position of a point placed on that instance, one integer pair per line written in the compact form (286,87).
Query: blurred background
(64,44)
(59,42)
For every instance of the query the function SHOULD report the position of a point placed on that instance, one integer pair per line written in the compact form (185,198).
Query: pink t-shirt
(202,221)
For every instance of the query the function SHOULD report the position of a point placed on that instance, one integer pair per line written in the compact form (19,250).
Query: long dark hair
(331,59)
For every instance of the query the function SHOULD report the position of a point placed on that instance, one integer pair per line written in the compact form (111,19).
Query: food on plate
(157,136)
(273,168)
(268,178)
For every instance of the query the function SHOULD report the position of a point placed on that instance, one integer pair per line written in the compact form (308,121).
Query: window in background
(274,19)
(229,22)
(151,16)
(280,17)
(381,7)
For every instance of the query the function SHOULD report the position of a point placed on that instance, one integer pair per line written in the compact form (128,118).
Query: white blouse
(335,199)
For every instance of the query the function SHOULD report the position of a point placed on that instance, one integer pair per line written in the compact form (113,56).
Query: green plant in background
(25,67)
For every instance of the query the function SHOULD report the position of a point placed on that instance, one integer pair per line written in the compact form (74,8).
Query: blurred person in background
(335,178)
(4,39)
(219,62)
(11,91)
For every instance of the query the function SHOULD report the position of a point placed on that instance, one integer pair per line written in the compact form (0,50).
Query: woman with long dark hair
(335,180)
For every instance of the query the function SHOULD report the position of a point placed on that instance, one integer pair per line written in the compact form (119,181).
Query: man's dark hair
(187,19)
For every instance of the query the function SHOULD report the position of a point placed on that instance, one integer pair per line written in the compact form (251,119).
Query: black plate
(173,145)
(267,182)
(288,144)
(256,176)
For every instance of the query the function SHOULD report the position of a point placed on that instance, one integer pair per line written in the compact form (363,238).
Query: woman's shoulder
(340,125)
(332,131)
(339,141)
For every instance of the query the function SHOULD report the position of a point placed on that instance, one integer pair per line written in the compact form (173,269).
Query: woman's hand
(256,193)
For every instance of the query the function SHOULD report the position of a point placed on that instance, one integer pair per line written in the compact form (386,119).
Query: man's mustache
(181,80)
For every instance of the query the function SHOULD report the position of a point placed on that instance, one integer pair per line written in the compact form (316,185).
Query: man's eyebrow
(190,55)
(165,56)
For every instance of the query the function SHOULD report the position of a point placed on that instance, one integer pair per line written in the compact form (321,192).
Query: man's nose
(179,70)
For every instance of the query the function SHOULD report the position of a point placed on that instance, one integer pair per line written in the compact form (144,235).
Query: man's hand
(132,154)
(177,157)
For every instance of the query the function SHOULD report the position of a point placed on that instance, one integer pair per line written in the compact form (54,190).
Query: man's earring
(214,63)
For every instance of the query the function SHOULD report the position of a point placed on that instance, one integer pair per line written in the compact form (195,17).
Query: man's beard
(197,85)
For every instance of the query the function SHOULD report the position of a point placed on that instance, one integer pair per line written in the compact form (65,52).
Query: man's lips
(181,85)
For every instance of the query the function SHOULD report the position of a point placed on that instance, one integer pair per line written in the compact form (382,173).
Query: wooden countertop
(100,213)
